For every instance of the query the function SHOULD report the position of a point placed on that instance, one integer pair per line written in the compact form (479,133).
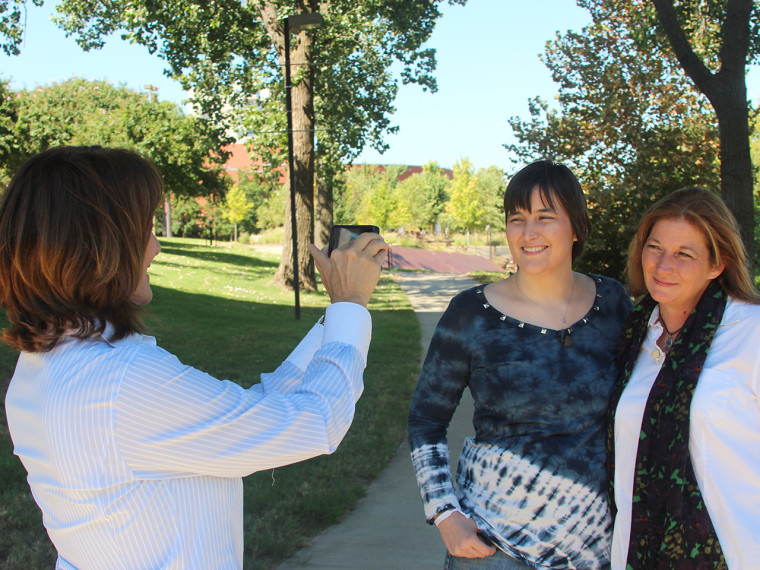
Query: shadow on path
(387,528)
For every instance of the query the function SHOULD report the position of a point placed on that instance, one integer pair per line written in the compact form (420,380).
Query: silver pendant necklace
(669,340)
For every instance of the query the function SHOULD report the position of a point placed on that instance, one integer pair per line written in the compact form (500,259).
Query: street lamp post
(299,21)
(167,198)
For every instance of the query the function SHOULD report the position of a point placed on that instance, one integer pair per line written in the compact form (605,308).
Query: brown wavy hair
(74,226)
(705,211)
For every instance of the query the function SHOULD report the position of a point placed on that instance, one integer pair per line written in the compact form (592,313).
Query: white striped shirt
(136,459)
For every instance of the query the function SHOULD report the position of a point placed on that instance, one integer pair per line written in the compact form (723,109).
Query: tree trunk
(167,216)
(324,211)
(727,92)
(302,94)
(736,163)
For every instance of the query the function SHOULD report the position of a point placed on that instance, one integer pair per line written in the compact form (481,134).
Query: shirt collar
(733,314)
(134,338)
(654,318)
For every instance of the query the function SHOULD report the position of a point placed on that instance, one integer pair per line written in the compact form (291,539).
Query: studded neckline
(543,330)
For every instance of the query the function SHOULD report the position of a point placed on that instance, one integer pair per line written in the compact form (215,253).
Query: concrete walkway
(387,528)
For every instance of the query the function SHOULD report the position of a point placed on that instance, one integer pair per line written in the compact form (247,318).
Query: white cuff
(348,323)
(304,352)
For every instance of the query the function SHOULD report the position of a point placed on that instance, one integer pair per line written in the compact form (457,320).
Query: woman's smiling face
(677,264)
(540,239)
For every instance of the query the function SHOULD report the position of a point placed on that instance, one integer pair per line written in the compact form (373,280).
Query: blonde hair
(709,214)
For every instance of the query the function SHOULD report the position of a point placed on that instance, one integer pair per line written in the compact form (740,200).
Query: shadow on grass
(208,254)
(230,339)
(237,340)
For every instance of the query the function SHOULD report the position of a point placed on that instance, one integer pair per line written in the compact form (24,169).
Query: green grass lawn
(214,308)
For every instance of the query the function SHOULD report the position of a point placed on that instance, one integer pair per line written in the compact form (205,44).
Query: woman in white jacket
(686,425)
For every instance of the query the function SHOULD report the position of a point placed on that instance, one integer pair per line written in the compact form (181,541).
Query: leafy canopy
(628,122)
(12,12)
(81,112)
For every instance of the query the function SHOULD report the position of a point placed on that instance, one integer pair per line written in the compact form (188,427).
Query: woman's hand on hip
(460,535)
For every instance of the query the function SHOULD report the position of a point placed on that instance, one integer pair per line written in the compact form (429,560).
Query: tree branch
(694,67)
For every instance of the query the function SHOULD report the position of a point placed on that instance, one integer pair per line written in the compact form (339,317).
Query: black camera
(341,235)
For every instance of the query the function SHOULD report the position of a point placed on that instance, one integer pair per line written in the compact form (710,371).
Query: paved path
(387,529)
(440,261)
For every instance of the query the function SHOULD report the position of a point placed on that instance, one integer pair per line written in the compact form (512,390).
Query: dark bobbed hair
(74,226)
(554,182)
(705,211)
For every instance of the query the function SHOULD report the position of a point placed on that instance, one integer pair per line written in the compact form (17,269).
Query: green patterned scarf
(670,525)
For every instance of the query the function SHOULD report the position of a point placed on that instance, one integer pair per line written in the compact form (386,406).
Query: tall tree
(628,122)
(714,41)
(426,194)
(230,54)
(236,207)
(82,112)
(465,207)
(356,182)
(490,185)
(379,206)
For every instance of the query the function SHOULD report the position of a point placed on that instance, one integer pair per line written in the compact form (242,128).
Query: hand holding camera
(350,264)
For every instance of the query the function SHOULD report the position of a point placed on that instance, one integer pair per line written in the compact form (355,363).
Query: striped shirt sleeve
(173,419)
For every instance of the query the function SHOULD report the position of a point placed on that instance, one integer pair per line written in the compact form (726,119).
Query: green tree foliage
(490,185)
(258,192)
(356,183)
(270,212)
(380,206)
(370,195)
(80,112)
(213,223)
(187,217)
(465,209)
(12,12)
(628,122)
(755,151)
(9,150)
(230,55)
(425,195)
(236,207)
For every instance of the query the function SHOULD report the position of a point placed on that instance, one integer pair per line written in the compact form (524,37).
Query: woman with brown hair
(684,440)
(135,459)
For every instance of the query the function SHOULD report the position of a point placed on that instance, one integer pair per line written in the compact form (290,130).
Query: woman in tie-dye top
(537,351)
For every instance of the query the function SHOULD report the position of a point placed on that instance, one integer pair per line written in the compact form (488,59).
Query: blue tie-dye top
(533,477)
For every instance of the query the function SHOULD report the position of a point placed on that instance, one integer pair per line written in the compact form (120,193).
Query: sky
(488,67)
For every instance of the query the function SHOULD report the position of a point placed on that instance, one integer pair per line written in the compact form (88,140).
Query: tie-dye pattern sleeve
(444,375)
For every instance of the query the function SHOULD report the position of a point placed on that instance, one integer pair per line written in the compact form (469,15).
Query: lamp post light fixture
(296,22)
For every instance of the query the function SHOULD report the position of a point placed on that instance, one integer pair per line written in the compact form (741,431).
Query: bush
(274,235)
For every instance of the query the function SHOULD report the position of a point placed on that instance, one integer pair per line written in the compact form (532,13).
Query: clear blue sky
(488,67)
